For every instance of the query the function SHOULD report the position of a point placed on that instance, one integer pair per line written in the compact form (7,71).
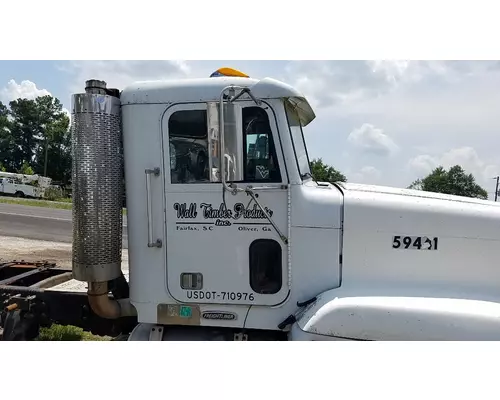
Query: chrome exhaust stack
(97,183)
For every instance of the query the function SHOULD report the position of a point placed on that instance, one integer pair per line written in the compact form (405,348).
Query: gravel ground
(12,248)
(34,250)
(40,250)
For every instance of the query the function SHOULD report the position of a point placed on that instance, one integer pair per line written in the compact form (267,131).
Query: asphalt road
(40,223)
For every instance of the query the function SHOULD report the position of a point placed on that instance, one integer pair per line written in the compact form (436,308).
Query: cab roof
(209,89)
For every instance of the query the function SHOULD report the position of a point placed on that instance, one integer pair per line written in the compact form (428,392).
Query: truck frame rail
(32,295)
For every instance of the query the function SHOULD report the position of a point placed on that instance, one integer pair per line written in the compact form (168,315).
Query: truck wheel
(19,194)
(20,326)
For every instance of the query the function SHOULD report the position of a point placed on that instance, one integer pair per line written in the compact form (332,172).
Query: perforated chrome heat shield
(97,180)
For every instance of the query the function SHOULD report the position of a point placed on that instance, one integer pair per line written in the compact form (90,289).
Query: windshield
(299,145)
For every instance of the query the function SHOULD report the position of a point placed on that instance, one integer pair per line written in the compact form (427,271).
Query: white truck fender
(336,315)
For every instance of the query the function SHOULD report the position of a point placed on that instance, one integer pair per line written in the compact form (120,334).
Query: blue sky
(43,73)
(384,123)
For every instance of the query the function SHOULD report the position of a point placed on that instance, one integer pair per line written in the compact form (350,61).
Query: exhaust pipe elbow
(104,307)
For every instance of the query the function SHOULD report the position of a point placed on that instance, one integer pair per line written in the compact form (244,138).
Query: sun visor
(304,110)
(269,88)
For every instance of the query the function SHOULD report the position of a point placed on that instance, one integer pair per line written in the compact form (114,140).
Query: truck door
(8,186)
(222,249)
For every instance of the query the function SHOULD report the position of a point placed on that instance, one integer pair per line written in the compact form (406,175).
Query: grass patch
(37,203)
(68,333)
(64,200)
(63,204)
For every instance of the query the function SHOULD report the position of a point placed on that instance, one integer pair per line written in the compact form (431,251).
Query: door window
(261,162)
(188,144)
(265,266)
(298,142)
(189,154)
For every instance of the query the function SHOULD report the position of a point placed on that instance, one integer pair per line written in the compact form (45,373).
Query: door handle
(149,201)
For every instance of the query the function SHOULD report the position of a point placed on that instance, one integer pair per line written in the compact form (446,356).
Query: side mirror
(173,155)
(214,162)
(231,162)
(233,142)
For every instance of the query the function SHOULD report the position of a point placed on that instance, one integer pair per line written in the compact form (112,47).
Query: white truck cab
(230,237)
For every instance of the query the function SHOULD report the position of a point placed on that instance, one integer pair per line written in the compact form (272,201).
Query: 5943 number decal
(415,243)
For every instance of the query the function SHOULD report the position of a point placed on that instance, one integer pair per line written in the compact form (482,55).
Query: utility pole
(496,189)
(47,158)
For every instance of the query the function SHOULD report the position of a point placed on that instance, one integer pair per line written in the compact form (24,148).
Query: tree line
(454,181)
(35,139)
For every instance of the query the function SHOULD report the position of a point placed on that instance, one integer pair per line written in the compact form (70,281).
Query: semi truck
(230,237)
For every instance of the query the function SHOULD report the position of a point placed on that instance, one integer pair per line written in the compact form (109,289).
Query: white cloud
(328,83)
(371,172)
(372,140)
(120,73)
(394,71)
(491,171)
(367,174)
(26,90)
(438,109)
(335,83)
(467,157)
(423,164)
(457,70)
